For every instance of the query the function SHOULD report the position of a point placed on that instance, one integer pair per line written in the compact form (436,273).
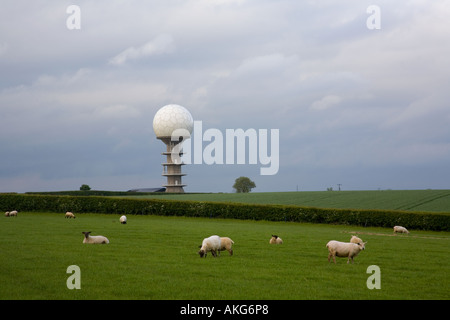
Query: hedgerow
(226,210)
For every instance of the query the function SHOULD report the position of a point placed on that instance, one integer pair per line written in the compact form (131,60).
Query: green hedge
(100,193)
(367,218)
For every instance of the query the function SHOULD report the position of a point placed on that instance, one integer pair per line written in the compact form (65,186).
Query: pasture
(155,257)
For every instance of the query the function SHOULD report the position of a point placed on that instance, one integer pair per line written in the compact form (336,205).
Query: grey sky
(364,108)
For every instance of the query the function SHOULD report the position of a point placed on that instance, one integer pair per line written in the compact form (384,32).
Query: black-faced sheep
(211,244)
(13,213)
(94,239)
(123,219)
(275,240)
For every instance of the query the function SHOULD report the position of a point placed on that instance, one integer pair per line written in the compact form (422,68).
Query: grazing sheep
(7,214)
(69,215)
(355,239)
(344,249)
(94,239)
(13,213)
(398,229)
(210,244)
(275,240)
(123,219)
(226,244)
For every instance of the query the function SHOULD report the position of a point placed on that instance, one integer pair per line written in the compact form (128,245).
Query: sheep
(94,239)
(226,244)
(69,215)
(7,214)
(355,239)
(123,219)
(275,240)
(400,229)
(344,249)
(13,213)
(210,244)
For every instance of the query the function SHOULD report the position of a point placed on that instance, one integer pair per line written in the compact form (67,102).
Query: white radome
(172,117)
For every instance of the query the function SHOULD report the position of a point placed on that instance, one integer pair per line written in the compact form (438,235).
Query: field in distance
(409,200)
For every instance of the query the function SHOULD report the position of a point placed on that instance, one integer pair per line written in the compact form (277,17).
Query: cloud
(3,48)
(161,44)
(344,97)
(326,102)
(267,63)
(116,112)
(223,2)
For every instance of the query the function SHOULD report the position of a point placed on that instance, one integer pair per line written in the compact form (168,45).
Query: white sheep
(69,215)
(13,213)
(400,229)
(226,244)
(94,239)
(344,249)
(7,214)
(275,240)
(123,219)
(211,244)
(355,239)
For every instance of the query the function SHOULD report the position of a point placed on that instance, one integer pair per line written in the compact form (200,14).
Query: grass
(155,257)
(415,200)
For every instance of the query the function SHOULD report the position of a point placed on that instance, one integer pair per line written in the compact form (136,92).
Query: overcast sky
(363,107)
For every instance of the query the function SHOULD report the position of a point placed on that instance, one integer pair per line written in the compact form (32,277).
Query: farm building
(148,190)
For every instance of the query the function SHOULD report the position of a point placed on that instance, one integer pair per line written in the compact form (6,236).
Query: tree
(243,185)
(85,187)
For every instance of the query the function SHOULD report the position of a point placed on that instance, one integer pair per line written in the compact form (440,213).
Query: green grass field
(154,257)
(413,200)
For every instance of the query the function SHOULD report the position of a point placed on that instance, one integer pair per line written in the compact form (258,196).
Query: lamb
(211,244)
(226,244)
(69,215)
(123,219)
(275,240)
(355,239)
(344,249)
(13,213)
(400,229)
(7,214)
(94,239)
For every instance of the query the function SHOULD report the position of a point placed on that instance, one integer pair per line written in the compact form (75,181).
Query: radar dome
(172,117)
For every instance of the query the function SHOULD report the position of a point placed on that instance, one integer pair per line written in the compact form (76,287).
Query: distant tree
(85,187)
(243,185)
